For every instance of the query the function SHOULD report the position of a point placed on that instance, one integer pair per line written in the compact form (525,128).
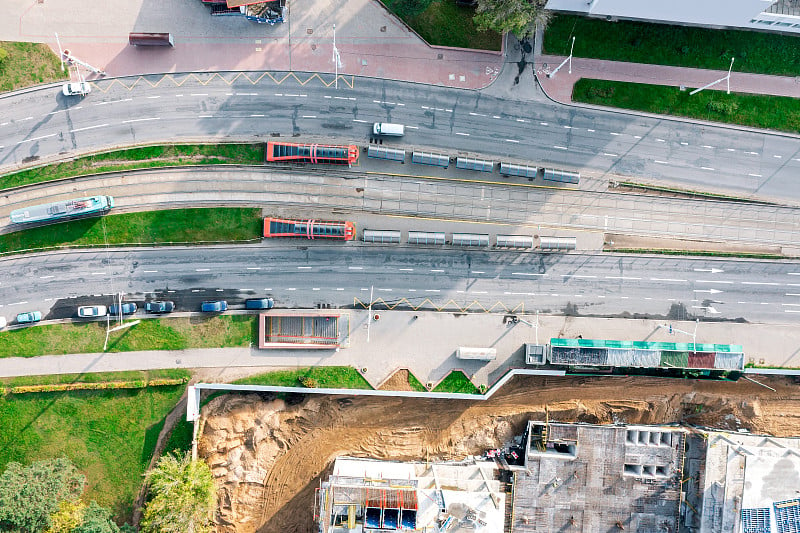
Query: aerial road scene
(365,266)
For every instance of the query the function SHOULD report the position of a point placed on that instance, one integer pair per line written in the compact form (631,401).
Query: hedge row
(60,387)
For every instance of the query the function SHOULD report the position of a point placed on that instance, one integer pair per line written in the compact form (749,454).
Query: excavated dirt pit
(267,455)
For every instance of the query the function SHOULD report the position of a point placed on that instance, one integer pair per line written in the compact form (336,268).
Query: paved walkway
(559,87)
(427,346)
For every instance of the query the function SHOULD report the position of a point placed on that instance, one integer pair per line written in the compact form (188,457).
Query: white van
(386,128)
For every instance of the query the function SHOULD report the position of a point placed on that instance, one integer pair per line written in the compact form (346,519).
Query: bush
(601,92)
(308,382)
(3,56)
(723,108)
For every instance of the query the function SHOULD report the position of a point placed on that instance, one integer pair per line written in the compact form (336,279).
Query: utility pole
(568,59)
(336,59)
(369,318)
(693,335)
(726,78)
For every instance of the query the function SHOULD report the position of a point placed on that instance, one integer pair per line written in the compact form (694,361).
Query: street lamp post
(693,335)
(336,59)
(726,78)
(568,59)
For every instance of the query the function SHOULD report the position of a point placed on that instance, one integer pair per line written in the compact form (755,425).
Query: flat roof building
(775,16)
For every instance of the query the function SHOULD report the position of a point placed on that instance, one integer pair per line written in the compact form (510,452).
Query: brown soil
(397,381)
(267,456)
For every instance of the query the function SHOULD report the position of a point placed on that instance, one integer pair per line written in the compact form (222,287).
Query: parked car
(159,307)
(76,88)
(259,303)
(128,308)
(91,311)
(214,306)
(3,322)
(29,317)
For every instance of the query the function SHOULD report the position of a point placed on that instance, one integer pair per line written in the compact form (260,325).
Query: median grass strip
(770,112)
(340,377)
(456,381)
(223,224)
(150,334)
(661,44)
(26,64)
(444,23)
(110,435)
(141,157)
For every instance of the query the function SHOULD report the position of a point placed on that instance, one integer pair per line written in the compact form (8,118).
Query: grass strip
(690,193)
(96,377)
(661,44)
(340,377)
(701,253)
(456,381)
(148,227)
(26,64)
(150,334)
(110,435)
(444,23)
(772,112)
(141,157)
(415,384)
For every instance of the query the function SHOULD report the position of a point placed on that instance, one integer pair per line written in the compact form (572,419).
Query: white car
(3,322)
(76,88)
(91,311)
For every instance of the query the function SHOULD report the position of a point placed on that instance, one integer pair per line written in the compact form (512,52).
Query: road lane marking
(622,277)
(140,120)
(610,155)
(149,271)
(527,274)
(406,269)
(152,97)
(706,168)
(590,131)
(511,141)
(37,138)
(709,147)
(661,140)
(544,123)
(478,272)
(88,128)
(202,269)
(560,147)
(359,120)
(98,273)
(614,133)
(432,290)
(684,143)
(477,114)
(199,94)
(355,268)
(731,149)
(667,279)
(759,283)
(385,290)
(18,303)
(304,268)
(713,281)
(567,127)
(315,289)
(412,127)
(462,134)
(660,162)
(46,277)
(291,289)
(777,156)
(309,116)
(257,116)
(577,276)
(755,175)
(436,270)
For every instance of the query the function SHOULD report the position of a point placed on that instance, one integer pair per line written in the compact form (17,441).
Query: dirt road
(267,456)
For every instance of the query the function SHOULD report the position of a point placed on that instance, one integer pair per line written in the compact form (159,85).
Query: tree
(519,17)
(67,517)
(29,495)
(183,496)
(96,519)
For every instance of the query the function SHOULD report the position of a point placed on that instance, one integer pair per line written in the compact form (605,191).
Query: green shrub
(723,108)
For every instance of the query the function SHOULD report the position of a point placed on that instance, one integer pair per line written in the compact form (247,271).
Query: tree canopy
(519,17)
(183,496)
(30,494)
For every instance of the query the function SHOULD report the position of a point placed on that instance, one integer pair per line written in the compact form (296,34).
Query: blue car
(128,308)
(215,306)
(29,317)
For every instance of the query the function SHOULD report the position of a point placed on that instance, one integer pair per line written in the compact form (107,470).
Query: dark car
(159,307)
(214,306)
(259,303)
(128,308)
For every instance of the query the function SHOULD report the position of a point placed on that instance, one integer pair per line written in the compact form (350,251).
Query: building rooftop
(581,477)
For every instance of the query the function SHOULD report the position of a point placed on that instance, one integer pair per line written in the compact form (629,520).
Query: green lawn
(456,381)
(344,377)
(148,227)
(150,334)
(143,157)
(96,377)
(772,112)
(110,435)
(444,23)
(26,64)
(640,42)
(415,384)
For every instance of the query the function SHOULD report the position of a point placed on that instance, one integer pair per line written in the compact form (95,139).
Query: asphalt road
(44,123)
(300,276)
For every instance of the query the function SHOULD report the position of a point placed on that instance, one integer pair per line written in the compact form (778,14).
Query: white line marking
(660,162)
(661,140)
(755,175)
(385,290)
(614,133)
(18,303)
(706,168)
(521,120)
(205,116)
(637,136)
(759,283)
(149,271)
(28,118)
(291,289)
(255,116)
(777,156)
(477,114)
(479,292)
(793,305)
(495,116)
(412,290)
(46,277)
(713,281)
(527,274)
(567,127)
(463,134)
(792,294)
(544,123)
(88,128)
(406,269)
(511,141)
(590,131)
(199,94)
(684,143)
(152,97)
(219,290)
(202,269)
(140,120)
(478,272)
(98,273)
(355,268)
(253,268)
(577,276)
(622,277)
(752,153)
(560,147)
(610,155)
(791,310)
(359,120)
(667,279)
(37,138)
(413,127)
(309,116)
(432,290)
(304,268)
(707,146)
(317,288)
(731,149)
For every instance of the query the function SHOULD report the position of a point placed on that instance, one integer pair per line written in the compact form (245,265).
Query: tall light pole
(336,59)
(693,335)
(568,59)
(726,78)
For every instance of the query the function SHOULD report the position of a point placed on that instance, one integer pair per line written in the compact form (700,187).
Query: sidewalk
(559,87)
(427,346)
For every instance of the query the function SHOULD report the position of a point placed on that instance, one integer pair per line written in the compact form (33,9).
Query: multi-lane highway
(44,123)
(305,276)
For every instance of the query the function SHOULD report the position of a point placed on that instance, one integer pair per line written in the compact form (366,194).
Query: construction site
(641,459)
